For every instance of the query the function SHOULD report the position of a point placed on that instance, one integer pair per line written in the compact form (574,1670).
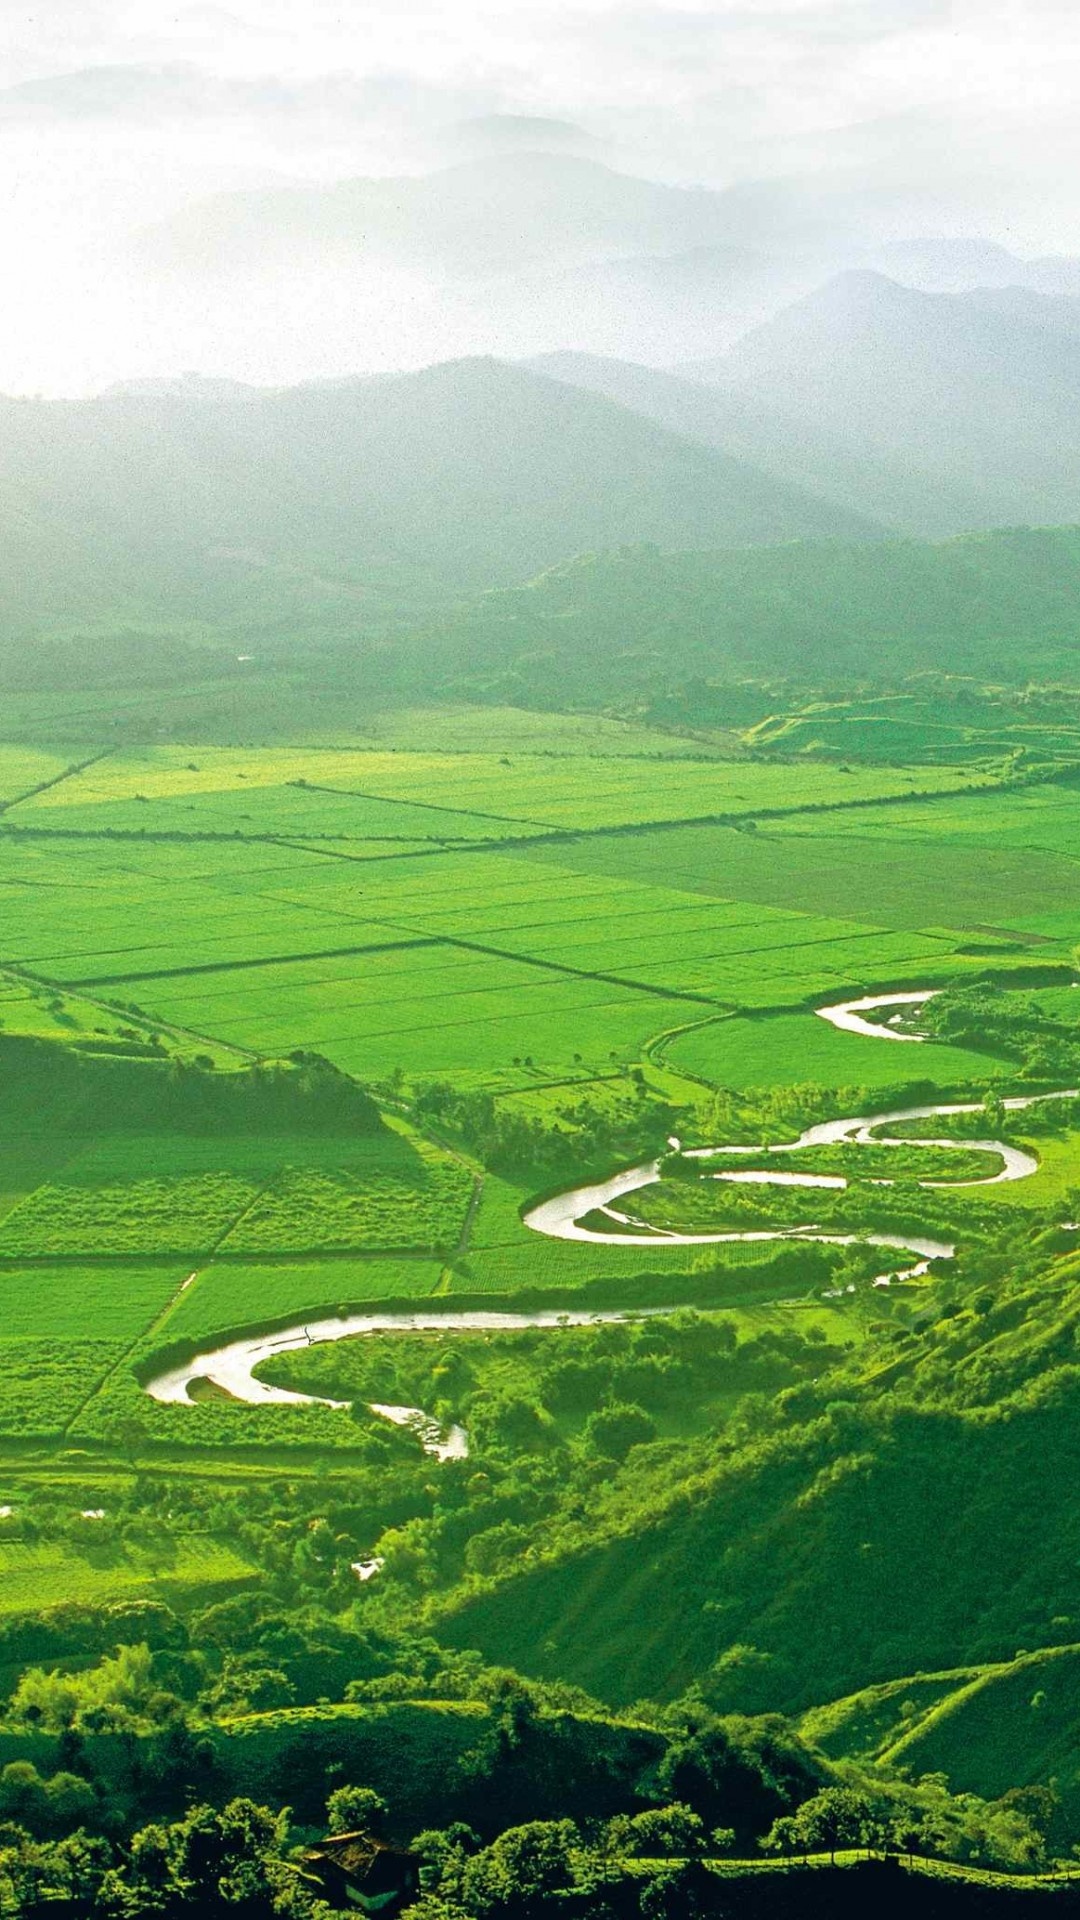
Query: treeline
(657,1862)
(239,1860)
(48,1084)
(637,620)
(577,1136)
(480,1798)
(993,1020)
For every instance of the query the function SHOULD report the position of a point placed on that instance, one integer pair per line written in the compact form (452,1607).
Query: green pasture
(794,1049)
(538,790)
(235,1294)
(80,1301)
(1011,1724)
(89,1571)
(95,1206)
(734,1272)
(22,769)
(56,1013)
(512,730)
(391,1191)
(535,967)
(863,1162)
(1058,1177)
(866,1724)
(44,1380)
(999,861)
(504,1257)
(432,1011)
(157,1197)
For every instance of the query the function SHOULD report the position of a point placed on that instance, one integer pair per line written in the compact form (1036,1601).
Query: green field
(544,950)
(391,989)
(580,935)
(245,1294)
(31,1576)
(789,1049)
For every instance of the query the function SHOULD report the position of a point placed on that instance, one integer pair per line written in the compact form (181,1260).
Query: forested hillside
(1001,605)
(347,505)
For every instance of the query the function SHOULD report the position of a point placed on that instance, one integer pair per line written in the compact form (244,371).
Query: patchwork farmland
(579,920)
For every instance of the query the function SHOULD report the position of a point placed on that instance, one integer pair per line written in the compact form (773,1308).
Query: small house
(357,1872)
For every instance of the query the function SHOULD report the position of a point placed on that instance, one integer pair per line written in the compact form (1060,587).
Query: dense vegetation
(625,1611)
(1000,606)
(124,1089)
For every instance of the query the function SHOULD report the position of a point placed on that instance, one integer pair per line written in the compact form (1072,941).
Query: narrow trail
(231,1366)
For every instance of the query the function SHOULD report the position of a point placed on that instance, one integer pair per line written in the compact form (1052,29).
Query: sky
(114,114)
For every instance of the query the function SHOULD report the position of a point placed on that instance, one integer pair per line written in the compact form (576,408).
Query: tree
(126,1432)
(658,1833)
(22,1794)
(835,1818)
(226,1855)
(355,1810)
(522,1869)
(612,1431)
(70,1800)
(83,1862)
(443,1852)
(684,1892)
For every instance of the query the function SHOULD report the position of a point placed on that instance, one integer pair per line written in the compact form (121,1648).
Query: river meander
(231,1366)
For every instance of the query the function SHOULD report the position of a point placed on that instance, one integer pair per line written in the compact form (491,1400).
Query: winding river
(231,1367)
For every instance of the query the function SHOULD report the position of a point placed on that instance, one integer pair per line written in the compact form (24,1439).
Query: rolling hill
(953,401)
(803,1553)
(500,212)
(610,625)
(349,503)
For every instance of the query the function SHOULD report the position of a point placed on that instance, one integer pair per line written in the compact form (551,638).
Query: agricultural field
(238,1294)
(83,1300)
(1022,883)
(791,1049)
(90,1569)
(105,1243)
(170,1196)
(395,1000)
(45,1381)
(538,912)
(25,770)
(226,789)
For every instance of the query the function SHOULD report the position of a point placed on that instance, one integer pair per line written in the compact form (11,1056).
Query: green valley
(306,1050)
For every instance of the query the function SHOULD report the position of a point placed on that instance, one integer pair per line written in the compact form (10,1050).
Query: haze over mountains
(862,409)
(519,253)
(365,500)
(592,360)
(932,412)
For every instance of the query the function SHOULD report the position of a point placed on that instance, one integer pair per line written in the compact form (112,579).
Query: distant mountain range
(860,408)
(931,412)
(525,252)
(502,212)
(349,504)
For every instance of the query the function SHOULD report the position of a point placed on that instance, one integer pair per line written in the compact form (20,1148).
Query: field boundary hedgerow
(429,806)
(49,983)
(259,960)
(56,779)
